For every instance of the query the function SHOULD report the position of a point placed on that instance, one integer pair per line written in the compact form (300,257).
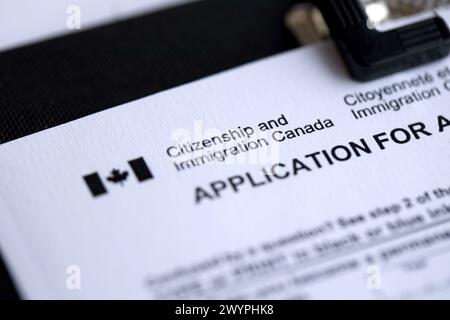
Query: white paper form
(281,179)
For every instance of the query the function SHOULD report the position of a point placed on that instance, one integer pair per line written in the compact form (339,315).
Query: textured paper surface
(357,228)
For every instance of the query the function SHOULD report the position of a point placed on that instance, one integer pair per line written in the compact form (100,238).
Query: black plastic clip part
(371,54)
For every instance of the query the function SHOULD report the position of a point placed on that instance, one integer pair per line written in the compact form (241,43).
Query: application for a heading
(282,179)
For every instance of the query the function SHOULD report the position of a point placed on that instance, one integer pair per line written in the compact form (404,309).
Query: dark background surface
(63,79)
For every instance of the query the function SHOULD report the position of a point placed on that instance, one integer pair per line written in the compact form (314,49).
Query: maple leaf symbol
(117,176)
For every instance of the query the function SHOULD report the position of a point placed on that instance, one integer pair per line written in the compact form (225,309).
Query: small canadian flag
(138,166)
